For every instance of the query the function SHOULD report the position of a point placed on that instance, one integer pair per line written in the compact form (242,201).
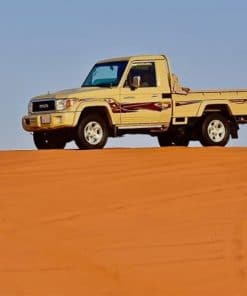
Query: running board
(142,127)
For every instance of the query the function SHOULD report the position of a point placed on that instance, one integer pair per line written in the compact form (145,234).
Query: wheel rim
(216,131)
(93,133)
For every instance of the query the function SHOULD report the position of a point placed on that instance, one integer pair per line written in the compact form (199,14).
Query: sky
(50,45)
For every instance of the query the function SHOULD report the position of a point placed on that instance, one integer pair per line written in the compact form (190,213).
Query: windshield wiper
(104,85)
(108,85)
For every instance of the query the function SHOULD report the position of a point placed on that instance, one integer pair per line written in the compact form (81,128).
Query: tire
(43,140)
(181,141)
(92,132)
(165,140)
(215,130)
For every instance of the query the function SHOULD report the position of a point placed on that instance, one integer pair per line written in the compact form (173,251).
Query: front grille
(43,106)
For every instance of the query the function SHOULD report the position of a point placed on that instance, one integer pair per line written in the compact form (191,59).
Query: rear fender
(214,106)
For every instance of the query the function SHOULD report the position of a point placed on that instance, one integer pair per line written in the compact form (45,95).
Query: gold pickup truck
(135,95)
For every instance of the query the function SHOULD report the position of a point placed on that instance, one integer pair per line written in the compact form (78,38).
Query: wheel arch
(99,110)
(85,110)
(215,107)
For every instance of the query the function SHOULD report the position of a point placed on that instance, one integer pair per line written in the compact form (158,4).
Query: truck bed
(194,102)
(218,91)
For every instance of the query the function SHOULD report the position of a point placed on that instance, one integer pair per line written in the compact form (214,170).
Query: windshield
(105,75)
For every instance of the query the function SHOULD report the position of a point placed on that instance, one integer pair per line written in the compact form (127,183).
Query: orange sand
(122,222)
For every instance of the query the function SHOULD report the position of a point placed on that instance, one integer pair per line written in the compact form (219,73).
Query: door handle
(155,96)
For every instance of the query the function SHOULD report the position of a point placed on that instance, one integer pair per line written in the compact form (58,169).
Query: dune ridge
(169,221)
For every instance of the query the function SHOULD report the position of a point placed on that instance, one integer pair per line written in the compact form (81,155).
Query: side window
(147,73)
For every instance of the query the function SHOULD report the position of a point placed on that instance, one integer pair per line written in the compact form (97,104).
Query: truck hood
(80,93)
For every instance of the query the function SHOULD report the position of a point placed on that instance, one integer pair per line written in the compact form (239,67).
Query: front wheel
(215,130)
(43,140)
(92,132)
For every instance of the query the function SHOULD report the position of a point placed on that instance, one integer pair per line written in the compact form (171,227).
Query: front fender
(93,104)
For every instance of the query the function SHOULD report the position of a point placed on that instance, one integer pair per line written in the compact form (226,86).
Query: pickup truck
(135,95)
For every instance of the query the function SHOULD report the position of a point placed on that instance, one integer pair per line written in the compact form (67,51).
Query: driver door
(143,106)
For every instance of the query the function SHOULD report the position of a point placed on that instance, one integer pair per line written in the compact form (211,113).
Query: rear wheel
(181,142)
(92,132)
(167,139)
(44,140)
(215,130)
(164,140)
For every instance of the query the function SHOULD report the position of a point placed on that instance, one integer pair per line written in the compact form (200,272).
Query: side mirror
(136,83)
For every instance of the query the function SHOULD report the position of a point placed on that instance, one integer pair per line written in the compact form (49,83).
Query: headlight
(60,105)
(64,104)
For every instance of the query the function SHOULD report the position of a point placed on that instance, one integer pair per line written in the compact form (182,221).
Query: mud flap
(234,130)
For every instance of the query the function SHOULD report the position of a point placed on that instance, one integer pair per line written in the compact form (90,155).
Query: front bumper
(51,121)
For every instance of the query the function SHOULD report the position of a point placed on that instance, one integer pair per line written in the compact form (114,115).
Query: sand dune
(124,222)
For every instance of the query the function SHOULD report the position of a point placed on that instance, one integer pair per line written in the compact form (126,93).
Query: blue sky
(51,45)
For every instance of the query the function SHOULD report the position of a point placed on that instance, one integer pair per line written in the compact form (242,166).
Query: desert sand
(124,222)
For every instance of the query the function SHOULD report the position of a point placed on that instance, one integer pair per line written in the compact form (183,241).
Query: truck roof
(132,58)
